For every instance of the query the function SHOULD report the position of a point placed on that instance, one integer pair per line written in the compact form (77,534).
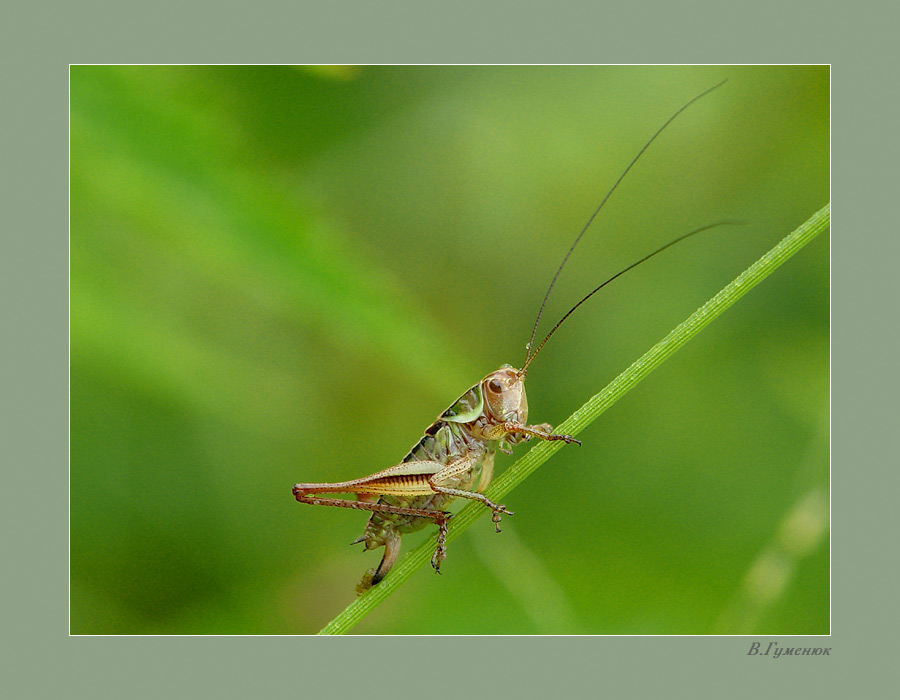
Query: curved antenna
(619,274)
(597,211)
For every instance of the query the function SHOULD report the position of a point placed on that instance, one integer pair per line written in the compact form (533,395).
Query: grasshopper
(455,456)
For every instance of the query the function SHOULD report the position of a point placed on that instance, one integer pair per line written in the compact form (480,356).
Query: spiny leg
(392,547)
(544,431)
(497,509)
(440,553)
(371,507)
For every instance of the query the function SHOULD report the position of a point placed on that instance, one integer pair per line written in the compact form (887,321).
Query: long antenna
(617,275)
(597,211)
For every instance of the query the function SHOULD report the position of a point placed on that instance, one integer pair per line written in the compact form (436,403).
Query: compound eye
(495,386)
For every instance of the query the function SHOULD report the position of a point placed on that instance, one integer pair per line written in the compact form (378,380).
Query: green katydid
(455,456)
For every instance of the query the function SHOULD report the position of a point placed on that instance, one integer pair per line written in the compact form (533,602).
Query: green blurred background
(284,274)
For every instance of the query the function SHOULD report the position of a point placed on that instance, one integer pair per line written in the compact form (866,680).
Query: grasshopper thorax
(504,395)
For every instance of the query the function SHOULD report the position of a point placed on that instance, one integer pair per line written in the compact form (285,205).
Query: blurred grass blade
(162,194)
(589,412)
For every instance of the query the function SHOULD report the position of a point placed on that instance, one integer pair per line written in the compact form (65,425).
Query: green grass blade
(589,412)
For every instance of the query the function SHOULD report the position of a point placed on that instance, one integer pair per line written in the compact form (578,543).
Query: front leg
(543,432)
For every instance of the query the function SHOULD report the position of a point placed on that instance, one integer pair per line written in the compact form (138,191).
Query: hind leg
(441,552)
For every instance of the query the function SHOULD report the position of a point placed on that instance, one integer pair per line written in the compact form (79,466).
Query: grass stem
(589,412)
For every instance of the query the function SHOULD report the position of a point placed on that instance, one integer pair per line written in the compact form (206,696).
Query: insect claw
(497,517)
(436,559)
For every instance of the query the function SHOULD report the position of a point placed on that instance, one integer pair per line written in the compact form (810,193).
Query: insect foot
(568,439)
(548,434)
(440,553)
(496,517)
